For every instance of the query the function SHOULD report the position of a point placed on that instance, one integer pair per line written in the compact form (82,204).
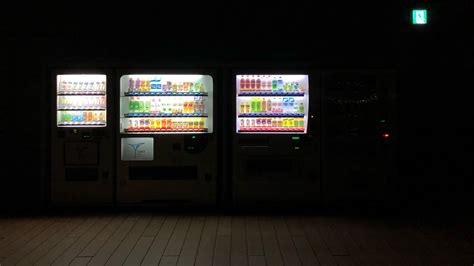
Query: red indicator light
(386,135)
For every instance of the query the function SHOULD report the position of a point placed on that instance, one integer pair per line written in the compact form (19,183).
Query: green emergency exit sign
(420,16)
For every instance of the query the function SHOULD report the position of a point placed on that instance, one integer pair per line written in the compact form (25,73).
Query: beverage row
(167,105)
(78,86)
(271,122)
(79,116)
(81,102)
(136,124)
(156,85)
(285,105)
(268,84)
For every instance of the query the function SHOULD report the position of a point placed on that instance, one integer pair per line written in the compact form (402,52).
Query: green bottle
(131,105)
(253,105)
(258,105)
(141,106)
(147,106)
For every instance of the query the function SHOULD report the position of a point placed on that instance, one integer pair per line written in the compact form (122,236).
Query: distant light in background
(386,135)
(419,16)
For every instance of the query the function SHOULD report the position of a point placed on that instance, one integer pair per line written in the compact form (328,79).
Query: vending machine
(167,142)
(276,139)
(359,137)
(81,139)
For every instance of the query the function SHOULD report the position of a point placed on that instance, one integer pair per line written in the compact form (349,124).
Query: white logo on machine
(137,149)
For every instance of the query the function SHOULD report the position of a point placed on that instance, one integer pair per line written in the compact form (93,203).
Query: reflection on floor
(172,239)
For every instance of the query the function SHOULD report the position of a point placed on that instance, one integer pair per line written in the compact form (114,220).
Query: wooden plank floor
(170,239)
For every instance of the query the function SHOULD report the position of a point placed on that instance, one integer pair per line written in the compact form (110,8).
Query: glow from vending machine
(272,103)
(81,100)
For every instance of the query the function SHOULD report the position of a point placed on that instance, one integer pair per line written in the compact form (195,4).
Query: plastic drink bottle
(301,108)
(259,105)
(252,83)
(141,105)
(263,83)
(247,83)
(258,84)
(285,105)
(242,84)
(131,84)
(131,105)
(201,105)
(291,105)
(269,105)
(191,106)
(147,106)
(137,85)
(274,85)
(185,107)
(296,108)
(153,84)
(158,87)
(280,84)
(264,106)
(253,105)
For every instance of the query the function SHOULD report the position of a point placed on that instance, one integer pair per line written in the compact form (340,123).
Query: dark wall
(434,62)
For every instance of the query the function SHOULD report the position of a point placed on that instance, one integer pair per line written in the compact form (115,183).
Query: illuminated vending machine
(167,143)
(81,141)
(276,139)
